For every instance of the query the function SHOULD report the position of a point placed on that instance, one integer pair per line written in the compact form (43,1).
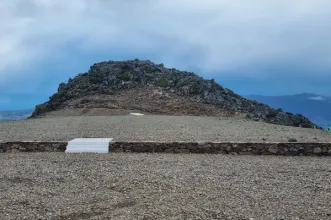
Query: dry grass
(163,186)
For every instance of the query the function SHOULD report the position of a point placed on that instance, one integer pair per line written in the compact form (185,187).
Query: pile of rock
(112,77)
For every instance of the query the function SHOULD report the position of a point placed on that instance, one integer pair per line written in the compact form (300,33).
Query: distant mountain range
(316,107)
(15,115)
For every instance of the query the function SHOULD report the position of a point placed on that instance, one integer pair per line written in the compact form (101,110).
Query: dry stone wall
(285,149)
(12,147)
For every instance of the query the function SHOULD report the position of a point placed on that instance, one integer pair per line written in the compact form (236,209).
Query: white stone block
(88,145)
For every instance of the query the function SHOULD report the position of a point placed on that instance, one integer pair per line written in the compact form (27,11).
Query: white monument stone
(88,145)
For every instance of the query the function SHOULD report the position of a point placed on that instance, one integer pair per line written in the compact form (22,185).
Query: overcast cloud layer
(224,35)
(255,38)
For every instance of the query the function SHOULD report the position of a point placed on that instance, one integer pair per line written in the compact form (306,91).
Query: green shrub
(292,140)
(124,75)
(272,114)
(162,82)
(306,125)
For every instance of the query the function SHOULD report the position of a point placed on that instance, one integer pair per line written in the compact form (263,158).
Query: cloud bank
(318,98)
(221,36)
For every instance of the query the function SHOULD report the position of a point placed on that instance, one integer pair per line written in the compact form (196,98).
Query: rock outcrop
(153,88)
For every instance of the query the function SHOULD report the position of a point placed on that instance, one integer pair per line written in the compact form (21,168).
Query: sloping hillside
(158,90)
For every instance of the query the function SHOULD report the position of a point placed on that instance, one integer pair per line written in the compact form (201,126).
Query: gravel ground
(155,128)
(163,186)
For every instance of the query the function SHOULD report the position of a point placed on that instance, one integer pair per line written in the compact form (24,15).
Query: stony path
(155,128)
(59,186)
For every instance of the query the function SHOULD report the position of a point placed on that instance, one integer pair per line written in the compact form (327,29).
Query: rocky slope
(152,88)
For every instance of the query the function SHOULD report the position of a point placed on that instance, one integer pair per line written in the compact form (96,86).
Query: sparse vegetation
(162,82)
(307,125)
(272,114)
(292,140)
(124,75)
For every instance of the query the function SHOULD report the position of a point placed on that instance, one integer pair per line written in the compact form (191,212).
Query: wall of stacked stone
(12,147)
(285,149)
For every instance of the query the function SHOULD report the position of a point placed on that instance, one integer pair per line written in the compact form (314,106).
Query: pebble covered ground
(62,186)
(155,128)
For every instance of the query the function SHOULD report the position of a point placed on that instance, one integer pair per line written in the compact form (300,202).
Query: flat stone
(317,150)
(182,151)
(169,150)
(273,149)
(246,153)
(117,150)
(13,150)
(49,149)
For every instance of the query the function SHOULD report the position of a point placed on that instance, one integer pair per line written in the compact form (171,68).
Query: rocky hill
(115,86)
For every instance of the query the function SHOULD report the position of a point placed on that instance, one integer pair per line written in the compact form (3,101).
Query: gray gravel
(155,128)
(163,186)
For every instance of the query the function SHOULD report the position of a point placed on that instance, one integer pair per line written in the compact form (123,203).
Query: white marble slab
(88,145)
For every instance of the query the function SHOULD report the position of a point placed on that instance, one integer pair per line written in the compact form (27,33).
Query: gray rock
(273,149)
(317,150)
(229,149)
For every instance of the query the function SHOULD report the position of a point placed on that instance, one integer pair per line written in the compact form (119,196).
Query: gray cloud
(318,98)
(220,35)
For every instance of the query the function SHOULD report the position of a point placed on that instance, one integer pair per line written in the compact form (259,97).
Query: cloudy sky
(273,47)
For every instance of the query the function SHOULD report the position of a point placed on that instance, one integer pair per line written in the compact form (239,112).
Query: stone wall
(12,147)
(285,149)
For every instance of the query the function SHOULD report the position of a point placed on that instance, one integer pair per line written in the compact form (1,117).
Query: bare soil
(163,186)
(155,128)
(145,99)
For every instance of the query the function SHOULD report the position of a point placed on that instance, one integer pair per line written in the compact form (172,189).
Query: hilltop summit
(152,88)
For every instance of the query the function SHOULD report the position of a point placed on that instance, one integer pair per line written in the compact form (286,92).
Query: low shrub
(272,114)
(124,75)
(292,140)
(162,82)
